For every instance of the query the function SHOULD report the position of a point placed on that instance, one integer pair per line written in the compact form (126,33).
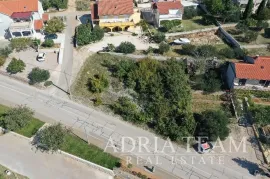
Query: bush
(38,75)
(15,66)
(2,61)
(206,51)
(98,101)
(17,118)
(51,137)
(4,52)
(163,47)
(54,25)
(188,49)
(48,43)
(48,83)
(126,47)
(262,24)
(85,36)
(190,12)
(227,52)
(169,24)
(98,83)
(58,4)
(82,5)
(110,48)
(267,32)
(208,19)
(211,81)
(159,37)
(20,43)
(239,53)
(250,36)
(134,34)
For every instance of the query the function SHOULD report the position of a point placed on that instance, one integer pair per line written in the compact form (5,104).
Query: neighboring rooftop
(45,17)
(8,7)
(258,69)
(112,7)
(38,24)
(164,6)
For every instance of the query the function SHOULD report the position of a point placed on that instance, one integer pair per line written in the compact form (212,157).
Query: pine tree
(261,7)
(248,10)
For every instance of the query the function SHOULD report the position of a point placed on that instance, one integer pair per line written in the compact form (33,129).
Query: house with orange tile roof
(114,15)
(21,18)
(167,10)
(253,72)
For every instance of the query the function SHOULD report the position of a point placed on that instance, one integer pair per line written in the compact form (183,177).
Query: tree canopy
(249,8)
(85,35)
(54,25)
(261,115)
(213,124)
(38,75)
(15,66)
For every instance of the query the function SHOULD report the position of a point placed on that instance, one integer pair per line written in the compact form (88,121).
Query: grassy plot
(76,146)
(194,24)
(30,129)
(12,176)
(201,102)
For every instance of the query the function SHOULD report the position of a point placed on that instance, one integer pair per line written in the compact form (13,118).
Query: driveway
(117,39)
(18,155)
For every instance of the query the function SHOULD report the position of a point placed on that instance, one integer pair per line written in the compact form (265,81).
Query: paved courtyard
(117,39)
(18,155)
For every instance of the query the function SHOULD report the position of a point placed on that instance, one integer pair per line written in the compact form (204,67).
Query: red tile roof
(164,6)
(21,15)
(115,7)
(260,70)
(38,24)
(45,17)
(8,7)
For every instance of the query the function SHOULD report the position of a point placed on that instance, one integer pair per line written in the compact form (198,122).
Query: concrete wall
(5,22)
(38,15)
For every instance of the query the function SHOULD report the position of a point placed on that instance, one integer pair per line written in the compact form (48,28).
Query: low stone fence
(90,164)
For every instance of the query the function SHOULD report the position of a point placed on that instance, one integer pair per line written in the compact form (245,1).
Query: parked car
(51,36)
(181,41)
(41,57)
(204,147)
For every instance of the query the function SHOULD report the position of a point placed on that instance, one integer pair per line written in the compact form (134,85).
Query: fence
(93,165)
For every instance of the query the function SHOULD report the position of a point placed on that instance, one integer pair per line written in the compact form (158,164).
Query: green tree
(215,7)
(38,75)
(211,81)
(97,33)
(51,137)
(54,25)
(227,52)
(2,61)
(261,115)
(17,118)
(15,66)
(261,7)
(98,83)
(190,12)
(264,14)
(267,32)
(163,47)
(249,8)
(159,37)
(213,124)
(126,47)
(4,52)
(84,34)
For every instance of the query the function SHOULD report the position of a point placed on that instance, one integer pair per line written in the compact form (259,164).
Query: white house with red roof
(113,15)
(167,10)
(21,18)
(253,72)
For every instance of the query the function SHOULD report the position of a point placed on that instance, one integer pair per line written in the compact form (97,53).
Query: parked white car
(181,41)
(41,57)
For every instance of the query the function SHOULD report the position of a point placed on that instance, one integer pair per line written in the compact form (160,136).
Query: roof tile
(38,24)
(8,7)
(164,6)
(115,7)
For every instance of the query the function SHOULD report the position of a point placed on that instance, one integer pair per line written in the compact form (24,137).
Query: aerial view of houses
(150,89)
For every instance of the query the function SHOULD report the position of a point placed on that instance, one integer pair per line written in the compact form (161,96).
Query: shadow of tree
(250,166)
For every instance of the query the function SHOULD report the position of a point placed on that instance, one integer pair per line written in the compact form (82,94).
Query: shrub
(134,34)
(211,81)
(4,52)
(98,83)
(85,36)
(51,137)
(15,66)
(38,75)
(126,47)
(150,50)
(267,32)
(227,52)
(48,43)
(163,47)
(188,49)
(167,24)
(20,43)
(82,5)
(2,61)
(48,83)
(159,37)
(262,24)
(98,101)
(206,51)
(110,48)
(17,118)
(208,19)
(250,36)
(239,53)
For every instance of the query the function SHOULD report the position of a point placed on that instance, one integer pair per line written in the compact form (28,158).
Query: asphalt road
(21,157)
(99,125)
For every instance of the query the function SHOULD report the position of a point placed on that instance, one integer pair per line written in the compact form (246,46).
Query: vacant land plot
(194,24)
(13,175)
(76,146)
(258,51)
(30,129)
(201,102)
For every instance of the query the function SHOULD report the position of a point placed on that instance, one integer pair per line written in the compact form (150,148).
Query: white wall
(114,19)
(5,22)
(38,15)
